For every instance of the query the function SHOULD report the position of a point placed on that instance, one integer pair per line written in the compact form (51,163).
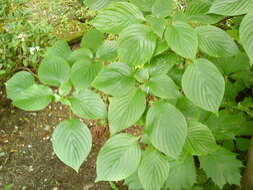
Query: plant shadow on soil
(26,156)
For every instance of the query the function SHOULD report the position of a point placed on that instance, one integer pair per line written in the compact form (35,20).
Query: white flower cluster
(22,37)
(33,49)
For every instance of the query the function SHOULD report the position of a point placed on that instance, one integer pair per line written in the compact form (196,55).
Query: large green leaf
(34,98)
(133,182)
(18,83)
(190,110)
(231,8)
(200,140)
(222,167)
(59,49)
(182,174)
(216,42)
(197,11)
(98,4)
(92,39)
(87,104)
(204,85)
(72,142)
(83,72)
(153,170)
(118,158)
(158,25)
(163,86)
(115,79)
(126,110)
(182,39)
(163,8)
(108,51)
(54,71)
(82,53)
(144,5)
(117,16)
(246,34)
(225,126)
(136,44)
(166,128)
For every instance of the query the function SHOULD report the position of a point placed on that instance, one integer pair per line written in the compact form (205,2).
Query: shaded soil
(26,157)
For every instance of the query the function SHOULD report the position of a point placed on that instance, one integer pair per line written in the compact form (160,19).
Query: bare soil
(27,160)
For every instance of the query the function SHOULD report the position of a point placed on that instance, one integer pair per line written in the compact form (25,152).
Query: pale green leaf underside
(126,110)
(216,42)
(166,128)
(153,170)
(231,7)
(182,174)
(72,142)
(182,39)
(118,158)
(54,71)
(136,44)
(117,16)
(246,34)
(222,167)
(200,140)
(83,72)
(115,79)
(204,85)
(87,104)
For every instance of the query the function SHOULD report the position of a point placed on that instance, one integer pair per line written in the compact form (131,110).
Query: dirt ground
(27,161)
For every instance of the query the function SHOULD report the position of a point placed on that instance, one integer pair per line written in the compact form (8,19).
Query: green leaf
(161,64)
(222,167)
(92,40)
(204,85)
(161,46)
(54,71)
(197,11)
(118,158)
(216,42)
(188,108)
(136,44)
(144,5)
(163,8)
(117,16)
(18,83)
(72,142)
(231,8)
(126,110)
(115,79)
(59,49)
(158,25)
(98,4)
(133,182)
(87,104)
(246,34)
(182,39)
(166,128)
(65,89)
(34,98)
(182,174)
(225,126)
(83,72)
(108,51)
(163,86)
(80,54)
(153,170)
(200,140)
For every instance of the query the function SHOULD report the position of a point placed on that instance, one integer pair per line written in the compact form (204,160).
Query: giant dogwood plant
(170,69)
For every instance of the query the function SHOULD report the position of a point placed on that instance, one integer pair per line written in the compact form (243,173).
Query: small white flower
(32,49)
(37,48)
(21,37)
